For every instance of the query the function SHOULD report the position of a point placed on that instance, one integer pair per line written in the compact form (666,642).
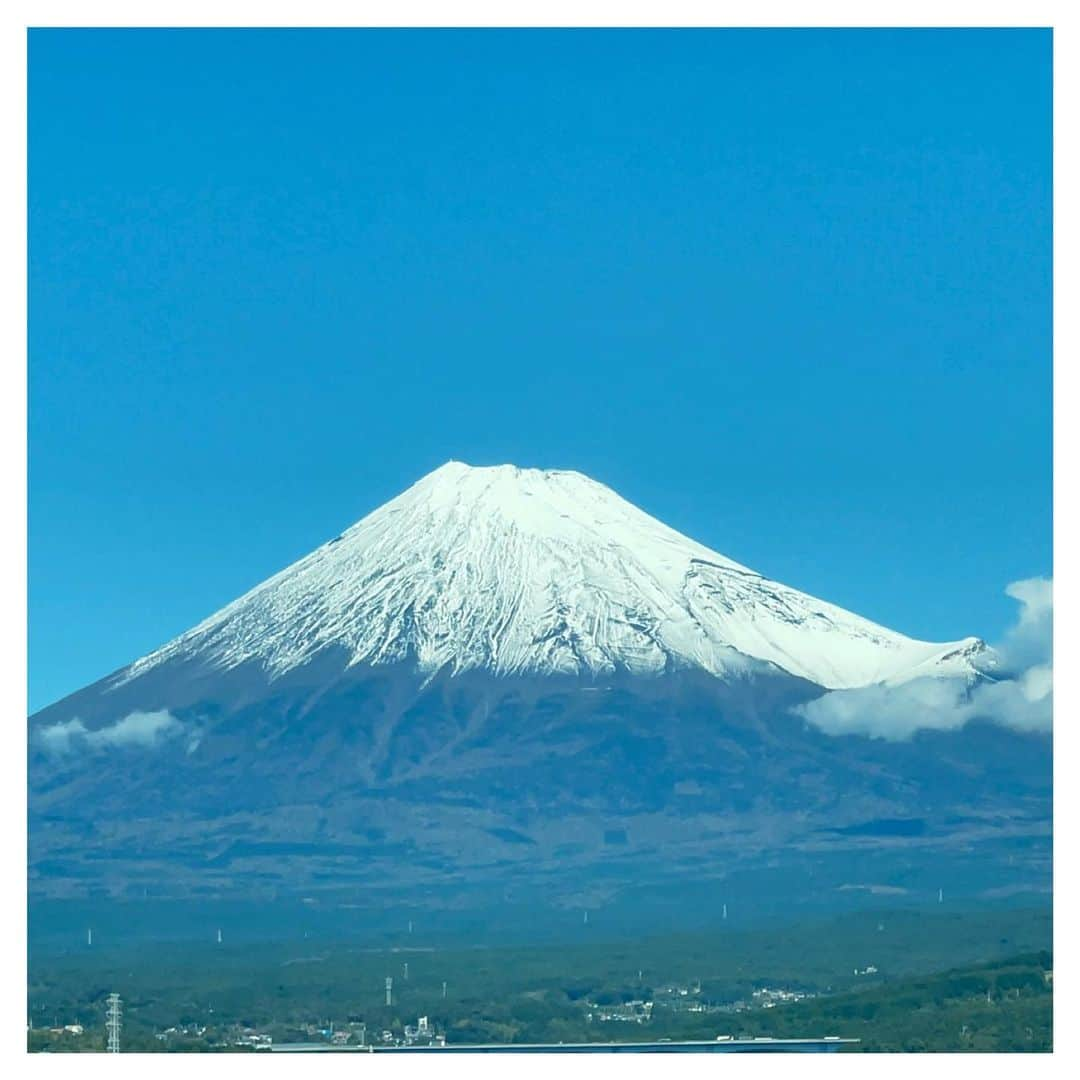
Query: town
(353,1034)
(854,976)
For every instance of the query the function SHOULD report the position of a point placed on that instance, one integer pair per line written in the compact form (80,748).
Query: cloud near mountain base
(1020,695)
(137,729)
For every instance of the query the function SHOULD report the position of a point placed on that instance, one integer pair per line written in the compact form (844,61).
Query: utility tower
(112,1024)
(389,990)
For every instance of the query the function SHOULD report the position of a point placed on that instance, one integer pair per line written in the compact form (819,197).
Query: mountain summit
(528,571)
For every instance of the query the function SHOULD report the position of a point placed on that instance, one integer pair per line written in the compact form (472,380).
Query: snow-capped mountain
(508,678)
(525,571)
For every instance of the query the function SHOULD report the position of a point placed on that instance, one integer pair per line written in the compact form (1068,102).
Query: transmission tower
(112,1023)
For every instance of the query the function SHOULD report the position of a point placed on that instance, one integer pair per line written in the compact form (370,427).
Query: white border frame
(554,13)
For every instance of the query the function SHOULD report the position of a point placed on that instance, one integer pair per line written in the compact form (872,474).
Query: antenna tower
(113,1021)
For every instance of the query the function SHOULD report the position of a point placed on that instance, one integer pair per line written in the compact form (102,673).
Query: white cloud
(139,729)
(1021,697)
(58,738)
(1030,642)
(891,712)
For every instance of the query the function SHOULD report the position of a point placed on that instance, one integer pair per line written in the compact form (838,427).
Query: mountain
(504,675)
(520,571)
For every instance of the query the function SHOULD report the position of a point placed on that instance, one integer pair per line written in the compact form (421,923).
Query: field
(903,980)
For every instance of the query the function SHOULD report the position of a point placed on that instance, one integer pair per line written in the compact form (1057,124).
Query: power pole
(113,1020)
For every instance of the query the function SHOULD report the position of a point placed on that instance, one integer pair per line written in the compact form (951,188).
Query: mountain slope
(507,676)
(520,571)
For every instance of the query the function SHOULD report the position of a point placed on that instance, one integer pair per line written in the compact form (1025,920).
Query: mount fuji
(517,571)
(508,678)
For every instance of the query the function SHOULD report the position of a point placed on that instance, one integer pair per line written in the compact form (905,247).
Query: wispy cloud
(59,738)
(1020,697)
(137,729)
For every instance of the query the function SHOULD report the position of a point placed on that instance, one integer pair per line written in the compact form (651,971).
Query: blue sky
(789,291)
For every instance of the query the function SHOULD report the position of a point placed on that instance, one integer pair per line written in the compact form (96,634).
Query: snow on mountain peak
(543,571)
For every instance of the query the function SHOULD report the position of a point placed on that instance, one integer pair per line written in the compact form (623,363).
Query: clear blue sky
(788,291)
